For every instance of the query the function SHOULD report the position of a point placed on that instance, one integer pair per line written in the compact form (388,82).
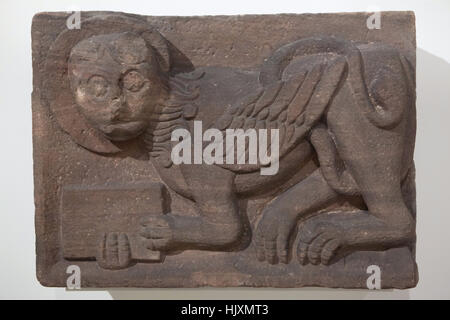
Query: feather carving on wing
(292,105)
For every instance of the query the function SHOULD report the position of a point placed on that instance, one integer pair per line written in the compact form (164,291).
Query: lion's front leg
(218,225)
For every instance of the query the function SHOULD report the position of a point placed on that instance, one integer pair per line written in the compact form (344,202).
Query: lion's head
(117,83)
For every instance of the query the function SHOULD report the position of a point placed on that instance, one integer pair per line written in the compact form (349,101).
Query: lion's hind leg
(375,158)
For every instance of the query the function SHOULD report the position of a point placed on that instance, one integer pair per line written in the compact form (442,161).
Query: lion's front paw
(273,236)
(114,251)
(319,242)
(158,232)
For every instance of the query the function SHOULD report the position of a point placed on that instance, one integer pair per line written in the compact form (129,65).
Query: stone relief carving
(345,114)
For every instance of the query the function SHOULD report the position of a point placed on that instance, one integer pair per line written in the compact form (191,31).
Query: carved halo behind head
(59,94)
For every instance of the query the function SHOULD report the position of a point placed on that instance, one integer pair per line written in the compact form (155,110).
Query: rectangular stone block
(130,188)
(88,214)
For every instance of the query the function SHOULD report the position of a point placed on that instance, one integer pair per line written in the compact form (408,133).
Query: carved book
(255,150)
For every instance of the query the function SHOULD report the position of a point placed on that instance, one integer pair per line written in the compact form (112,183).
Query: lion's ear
(161,46)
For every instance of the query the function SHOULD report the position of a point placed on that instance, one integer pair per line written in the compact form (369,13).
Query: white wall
(17,257)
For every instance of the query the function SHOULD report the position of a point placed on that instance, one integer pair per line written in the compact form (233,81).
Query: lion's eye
(98,86)
(133,81)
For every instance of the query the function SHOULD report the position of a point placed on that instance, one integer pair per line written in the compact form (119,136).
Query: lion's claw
(158,232)
(114,251)
(318,243)
(272,237)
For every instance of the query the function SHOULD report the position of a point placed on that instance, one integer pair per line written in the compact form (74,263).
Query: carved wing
(291,105)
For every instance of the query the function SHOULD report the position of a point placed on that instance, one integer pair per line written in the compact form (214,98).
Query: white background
(17,256)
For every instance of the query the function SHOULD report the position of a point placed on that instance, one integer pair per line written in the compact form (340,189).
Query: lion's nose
(115,102)
(116,107)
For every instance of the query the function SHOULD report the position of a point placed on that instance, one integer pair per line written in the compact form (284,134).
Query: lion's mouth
(123,130)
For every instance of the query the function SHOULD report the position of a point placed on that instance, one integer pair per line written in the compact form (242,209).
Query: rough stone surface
(109,198)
